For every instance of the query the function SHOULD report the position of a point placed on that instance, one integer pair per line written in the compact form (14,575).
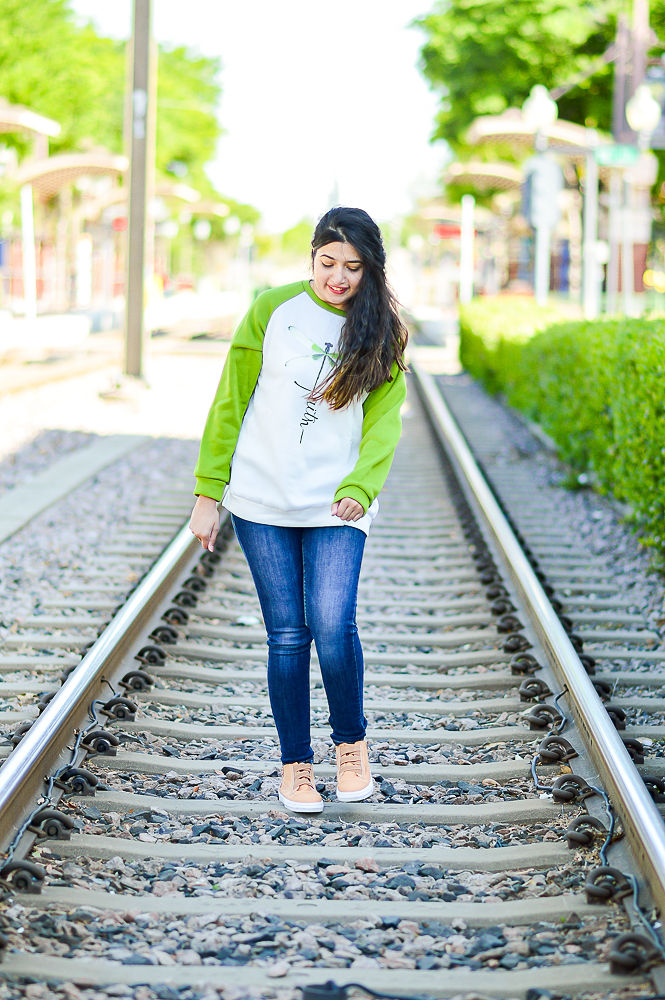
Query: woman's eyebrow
(353,261)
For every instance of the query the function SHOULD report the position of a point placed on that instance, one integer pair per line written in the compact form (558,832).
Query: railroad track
(162,855)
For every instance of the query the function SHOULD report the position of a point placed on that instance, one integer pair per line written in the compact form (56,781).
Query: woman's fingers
(204,524)
(212,538)
(347,509)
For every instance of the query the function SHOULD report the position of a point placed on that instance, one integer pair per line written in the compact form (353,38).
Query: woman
(297,445)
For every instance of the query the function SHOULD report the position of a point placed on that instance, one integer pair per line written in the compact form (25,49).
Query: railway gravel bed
(184,879)
(587,523)
(47,446)
(73,557)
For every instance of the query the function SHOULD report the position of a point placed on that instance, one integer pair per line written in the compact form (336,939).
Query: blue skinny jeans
(307,583)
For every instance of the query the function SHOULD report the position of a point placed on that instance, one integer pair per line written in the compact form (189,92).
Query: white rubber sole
(301,807)
(357,796)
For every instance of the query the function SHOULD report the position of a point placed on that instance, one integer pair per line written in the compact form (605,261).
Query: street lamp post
(467,234)
(540,111)
(142,110)
(643,114)
(591,275)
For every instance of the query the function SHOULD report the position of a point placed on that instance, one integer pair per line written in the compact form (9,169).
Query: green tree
(484,56)
(66,71)
(62,71)
(187,93)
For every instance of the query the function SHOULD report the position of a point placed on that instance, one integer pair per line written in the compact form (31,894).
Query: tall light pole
(467,234)
(591,274)
(142,112)
(544,178)
(643,115)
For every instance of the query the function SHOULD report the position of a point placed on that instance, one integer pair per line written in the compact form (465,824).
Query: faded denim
(307,584)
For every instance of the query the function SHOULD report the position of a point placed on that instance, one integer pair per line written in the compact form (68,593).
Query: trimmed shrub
(489,327)
(597,388)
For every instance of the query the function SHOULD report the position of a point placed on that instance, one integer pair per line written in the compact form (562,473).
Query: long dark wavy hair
(373,336)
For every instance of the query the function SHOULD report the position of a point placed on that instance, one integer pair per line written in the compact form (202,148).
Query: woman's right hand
(204,522)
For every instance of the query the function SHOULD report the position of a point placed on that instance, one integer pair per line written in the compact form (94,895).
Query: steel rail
(641,820)
(23,773)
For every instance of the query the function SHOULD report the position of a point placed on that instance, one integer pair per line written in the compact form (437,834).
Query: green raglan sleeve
(236,385)
(382,426)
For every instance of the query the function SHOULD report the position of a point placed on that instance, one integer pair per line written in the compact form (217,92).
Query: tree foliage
(484,56)
(187,92)
(66,71)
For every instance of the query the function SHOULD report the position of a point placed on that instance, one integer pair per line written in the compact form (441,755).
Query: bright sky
(320,100)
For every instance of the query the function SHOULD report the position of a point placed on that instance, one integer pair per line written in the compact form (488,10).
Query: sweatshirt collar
(324,305)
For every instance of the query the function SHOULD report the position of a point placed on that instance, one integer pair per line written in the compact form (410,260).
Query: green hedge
(597,388)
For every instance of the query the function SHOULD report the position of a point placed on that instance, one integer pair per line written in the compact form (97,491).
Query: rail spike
(632,952)
(23,876)
(122,708)
(52,823)
(556,749)
(605,884)
(655,787)
(175,616)
(543,716)
(636,749)
(165,634)
(509,623)
(516,642)
(583,830)
(524,663)
(533,689)
(571,788)
(134,680)
(101,741)
(617,715)
(151,654)
(77,781)
(20,732)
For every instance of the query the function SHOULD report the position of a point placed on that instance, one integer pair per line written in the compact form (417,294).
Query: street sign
(616,155)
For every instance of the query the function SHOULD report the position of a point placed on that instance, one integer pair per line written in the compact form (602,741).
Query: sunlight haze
(319,102)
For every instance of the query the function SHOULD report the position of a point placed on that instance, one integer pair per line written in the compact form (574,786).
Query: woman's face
(338,271)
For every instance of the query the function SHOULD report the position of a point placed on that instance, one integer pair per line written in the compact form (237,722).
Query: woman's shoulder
(268,299)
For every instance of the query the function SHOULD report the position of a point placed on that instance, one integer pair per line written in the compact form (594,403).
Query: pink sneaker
(354,779)
(298,791)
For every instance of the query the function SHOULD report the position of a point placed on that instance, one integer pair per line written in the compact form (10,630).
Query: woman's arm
(239,377)
(382,426)
(236,385)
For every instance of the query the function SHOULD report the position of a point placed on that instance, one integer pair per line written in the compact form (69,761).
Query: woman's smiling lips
(337,289)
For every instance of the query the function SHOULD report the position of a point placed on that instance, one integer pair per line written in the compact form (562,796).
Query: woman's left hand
(347,509)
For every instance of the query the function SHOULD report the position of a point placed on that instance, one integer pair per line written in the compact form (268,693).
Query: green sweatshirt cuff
(355,493)
(210,488)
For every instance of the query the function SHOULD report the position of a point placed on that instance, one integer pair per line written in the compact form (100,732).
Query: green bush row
(597,388)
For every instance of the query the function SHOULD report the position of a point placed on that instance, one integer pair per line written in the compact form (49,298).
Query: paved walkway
(20,505)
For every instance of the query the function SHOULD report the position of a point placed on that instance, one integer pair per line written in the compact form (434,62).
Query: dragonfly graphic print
(326,355)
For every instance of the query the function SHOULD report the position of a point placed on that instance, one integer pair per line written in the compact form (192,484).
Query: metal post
(620,130)
(28,253)
(141,112)
(614,228)
(467,233)
(542,264)
(591,296)
(627,267)
(640,42)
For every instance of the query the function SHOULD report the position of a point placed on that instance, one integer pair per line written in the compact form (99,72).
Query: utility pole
(142,112)
(640,43)
(630,63)
(467,239)
(620,130)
